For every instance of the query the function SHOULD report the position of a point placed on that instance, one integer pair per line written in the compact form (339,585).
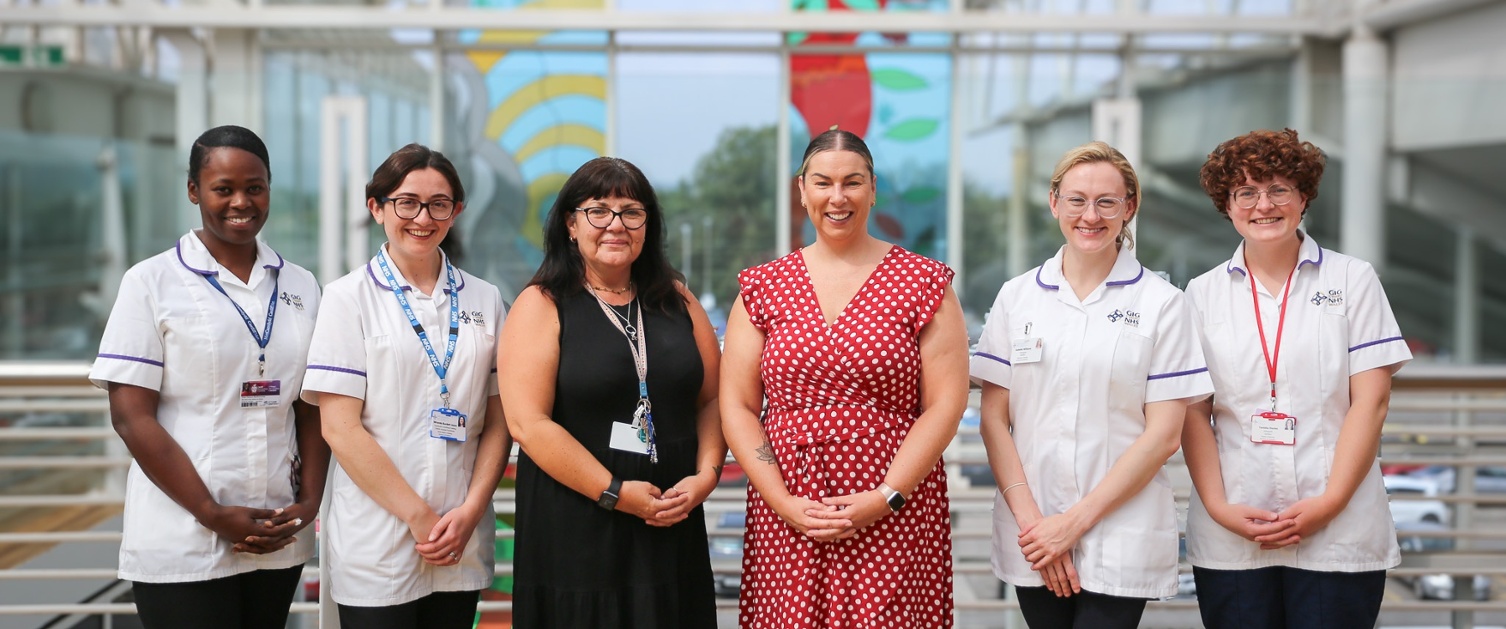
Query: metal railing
(1440,415)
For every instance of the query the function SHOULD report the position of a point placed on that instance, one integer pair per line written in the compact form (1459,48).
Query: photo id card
(261,394)
(1273,428)
(627,438)
(1026,350)
(447,424)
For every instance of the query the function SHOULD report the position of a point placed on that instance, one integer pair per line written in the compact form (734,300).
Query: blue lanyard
(423,337)
(261,340)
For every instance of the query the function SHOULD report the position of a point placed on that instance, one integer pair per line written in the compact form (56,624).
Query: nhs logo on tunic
(1131,318)
(1334,297)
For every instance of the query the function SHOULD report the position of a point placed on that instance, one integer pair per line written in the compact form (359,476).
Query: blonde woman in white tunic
(1087,364)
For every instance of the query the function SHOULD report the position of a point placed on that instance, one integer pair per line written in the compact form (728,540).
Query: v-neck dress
(841,398)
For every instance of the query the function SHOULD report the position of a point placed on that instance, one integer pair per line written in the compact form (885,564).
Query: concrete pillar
(1362,228)
(1466,351)
(192,107)
(236,97)
(1018,232)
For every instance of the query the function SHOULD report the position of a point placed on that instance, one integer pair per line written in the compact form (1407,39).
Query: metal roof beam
(461,18)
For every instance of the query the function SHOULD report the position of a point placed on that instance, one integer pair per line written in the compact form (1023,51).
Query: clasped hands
(833,518)
(259,531)
(668,507)
(1274,530)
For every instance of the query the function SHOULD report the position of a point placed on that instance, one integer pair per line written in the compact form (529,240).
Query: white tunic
(365,348)
(172,332)
(1338,324)
(1076,411)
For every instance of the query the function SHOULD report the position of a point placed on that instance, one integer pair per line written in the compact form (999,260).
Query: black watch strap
(608,499)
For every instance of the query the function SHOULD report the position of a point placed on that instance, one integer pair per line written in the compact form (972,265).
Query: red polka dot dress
(841,399)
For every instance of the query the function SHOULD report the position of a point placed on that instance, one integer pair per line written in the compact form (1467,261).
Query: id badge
(261,394)
(1273,428)
(626,437)
(1024,351)
(447,424)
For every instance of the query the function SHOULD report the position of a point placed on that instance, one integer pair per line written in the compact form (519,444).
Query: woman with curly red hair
(1288,524)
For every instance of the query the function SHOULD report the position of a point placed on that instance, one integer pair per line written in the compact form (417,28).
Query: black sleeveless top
(576,564)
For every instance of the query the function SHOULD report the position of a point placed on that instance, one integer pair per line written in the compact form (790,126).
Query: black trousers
(1288,598)
(440,610)
(252,600)
(1084,610)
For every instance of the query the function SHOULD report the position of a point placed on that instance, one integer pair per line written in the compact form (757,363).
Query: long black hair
(229,136)
(563,272)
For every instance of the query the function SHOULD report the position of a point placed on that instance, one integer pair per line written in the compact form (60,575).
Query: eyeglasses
(407,208)
(601,218)
(1107,207)
(1247,196)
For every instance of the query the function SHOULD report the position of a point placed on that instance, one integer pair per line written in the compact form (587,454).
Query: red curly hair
(1262,155)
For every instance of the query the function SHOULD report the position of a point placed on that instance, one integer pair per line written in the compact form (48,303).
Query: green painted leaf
(862,5)
(920,195)
(912,129)
(898,80)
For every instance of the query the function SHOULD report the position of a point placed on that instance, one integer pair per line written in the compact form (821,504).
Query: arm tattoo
(766,452)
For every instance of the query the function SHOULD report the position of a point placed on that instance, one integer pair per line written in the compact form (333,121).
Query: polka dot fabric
(841,399)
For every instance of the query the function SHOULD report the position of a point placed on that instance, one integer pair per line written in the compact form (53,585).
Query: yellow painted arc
(561,135)
(546,88)
(539,189)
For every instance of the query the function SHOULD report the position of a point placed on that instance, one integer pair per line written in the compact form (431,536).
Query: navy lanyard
(261,340)
(423,337)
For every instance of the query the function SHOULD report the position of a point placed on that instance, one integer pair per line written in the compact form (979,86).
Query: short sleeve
(750,288)
(337,352)
(932,292)
(1177,367)
(990,360)
(131,350)
(1374,337)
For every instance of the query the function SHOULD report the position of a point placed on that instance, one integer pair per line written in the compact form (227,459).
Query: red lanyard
(1271,357)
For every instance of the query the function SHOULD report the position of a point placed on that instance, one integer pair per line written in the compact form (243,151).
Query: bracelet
(1006,489)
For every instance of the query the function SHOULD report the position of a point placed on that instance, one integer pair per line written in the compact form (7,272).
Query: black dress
(578,565)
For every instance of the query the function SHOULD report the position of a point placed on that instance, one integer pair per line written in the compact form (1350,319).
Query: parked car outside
(1434,586)
(1415,509)
(1488,479)
(727,554)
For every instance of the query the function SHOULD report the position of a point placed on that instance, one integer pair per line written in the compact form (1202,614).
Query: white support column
(1362,195)
(343,218)
(782,164)
(611,95)
(954,193)
(1117,122)
(1466,298)
(436,97)
(192,107)
(1018,252)
(236,95)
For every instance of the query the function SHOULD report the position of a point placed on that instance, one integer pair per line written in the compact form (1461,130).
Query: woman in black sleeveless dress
(608,382)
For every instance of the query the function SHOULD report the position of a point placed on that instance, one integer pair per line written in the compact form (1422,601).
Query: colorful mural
(897,101)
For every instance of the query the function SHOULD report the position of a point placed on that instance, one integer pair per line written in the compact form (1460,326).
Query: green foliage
(898,80)
(912,129)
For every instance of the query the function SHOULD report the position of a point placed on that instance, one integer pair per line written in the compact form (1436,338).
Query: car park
(1434,586)
(1419,504)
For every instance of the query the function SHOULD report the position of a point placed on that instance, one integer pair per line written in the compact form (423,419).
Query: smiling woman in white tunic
(1288,525)
(1087,364)
(401,366)
(203,356)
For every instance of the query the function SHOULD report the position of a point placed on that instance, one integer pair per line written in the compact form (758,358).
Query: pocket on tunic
(1131,367)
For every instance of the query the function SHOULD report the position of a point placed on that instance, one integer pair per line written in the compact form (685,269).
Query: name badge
(447,424)
(1273,428)
(1026,350)
(261,394)
(628,438)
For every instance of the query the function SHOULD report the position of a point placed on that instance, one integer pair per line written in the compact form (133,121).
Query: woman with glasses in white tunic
(1288,525)
(401,367)
(1087,364)
(203,357)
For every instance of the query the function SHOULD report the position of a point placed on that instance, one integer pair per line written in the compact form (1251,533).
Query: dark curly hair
(1262,155)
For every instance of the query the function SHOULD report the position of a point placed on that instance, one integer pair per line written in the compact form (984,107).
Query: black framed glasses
(1107,207)
(407,208)
(601,217)
(1247,196)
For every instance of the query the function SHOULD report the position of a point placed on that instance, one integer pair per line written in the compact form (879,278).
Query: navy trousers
(1084,610)
(1288,598)
(440,610)
(251,600)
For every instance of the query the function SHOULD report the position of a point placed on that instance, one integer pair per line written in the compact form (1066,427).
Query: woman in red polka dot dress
(860,349)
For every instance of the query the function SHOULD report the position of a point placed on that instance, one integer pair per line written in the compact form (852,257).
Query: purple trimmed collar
(201,255)
(1127,270)
(1309,253)
(444,259)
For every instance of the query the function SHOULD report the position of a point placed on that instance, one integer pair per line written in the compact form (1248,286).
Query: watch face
(896,501)
(607,501)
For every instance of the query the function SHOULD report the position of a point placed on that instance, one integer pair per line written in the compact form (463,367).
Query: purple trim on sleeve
(338,369)
(136,359)
(1177,374)
(1364,345)
(993,357)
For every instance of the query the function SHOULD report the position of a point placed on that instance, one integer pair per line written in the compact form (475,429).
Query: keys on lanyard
(440,369)
(262,339)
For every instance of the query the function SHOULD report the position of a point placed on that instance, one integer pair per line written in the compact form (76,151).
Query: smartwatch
(895,499)
(608,499)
